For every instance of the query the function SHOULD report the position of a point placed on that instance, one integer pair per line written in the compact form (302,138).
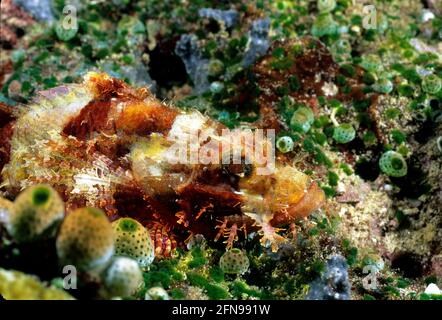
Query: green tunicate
(371,63)
(216,67)
(285,144)
(123,278)
(65,33)
(303,117)
(216,87)
(18,56)
(234,261)
(85,239)
(431,84)
(36,213)
(326,5)
(393,164)
(132,239)
(341,46)
(344,133)
(324,25)
(383,86)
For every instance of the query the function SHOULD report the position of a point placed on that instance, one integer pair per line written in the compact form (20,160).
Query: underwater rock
(136,73)
(39,9)
(197,67)
(333,284)
(229,17)
(259,41)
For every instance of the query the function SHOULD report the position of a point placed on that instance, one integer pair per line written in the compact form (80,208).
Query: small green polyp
(326,5)
(285,144)
(341,48)
(324,25)
(128,225)
(393,164)
(216,67)
(303,117)
(344,133)
(383,86)
(431,84)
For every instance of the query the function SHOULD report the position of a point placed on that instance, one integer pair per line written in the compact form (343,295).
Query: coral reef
(356,104)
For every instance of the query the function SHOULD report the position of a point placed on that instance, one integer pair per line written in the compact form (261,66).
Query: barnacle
(122,278)
(132,239)
(36,212)
(85,239)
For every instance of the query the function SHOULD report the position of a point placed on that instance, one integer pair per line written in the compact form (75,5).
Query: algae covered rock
(234,261)
(122,278)
(333,284)
(36,213)
(15,285)
(132,239)
(86,239)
